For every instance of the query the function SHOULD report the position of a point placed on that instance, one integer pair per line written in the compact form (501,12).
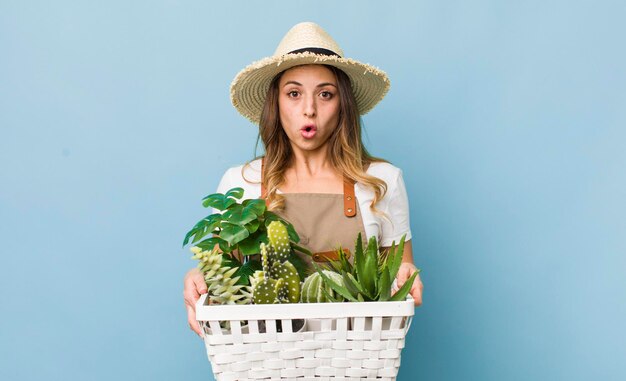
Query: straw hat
(305,43)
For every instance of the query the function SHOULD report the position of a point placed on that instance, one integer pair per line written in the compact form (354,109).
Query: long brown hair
(347,152)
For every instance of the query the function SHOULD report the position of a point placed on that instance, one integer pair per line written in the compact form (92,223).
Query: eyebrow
(299,84)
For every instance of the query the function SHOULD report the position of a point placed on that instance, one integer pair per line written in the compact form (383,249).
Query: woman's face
(308,103)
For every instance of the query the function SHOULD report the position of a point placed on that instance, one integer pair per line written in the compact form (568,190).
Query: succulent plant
(221,283)
(371,276)
(314,290)
(279,281)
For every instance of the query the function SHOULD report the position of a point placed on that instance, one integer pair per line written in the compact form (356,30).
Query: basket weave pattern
(338,341)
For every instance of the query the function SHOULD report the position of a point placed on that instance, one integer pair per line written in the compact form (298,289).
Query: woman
(316,173)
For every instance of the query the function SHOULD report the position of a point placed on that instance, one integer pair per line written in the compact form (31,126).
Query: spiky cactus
(314,290)
(279,281)
(279,240)
(222,286)
(289,275)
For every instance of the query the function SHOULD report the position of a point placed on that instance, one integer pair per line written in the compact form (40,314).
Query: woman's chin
(308,145)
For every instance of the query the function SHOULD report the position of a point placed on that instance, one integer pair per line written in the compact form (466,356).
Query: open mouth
(308,132)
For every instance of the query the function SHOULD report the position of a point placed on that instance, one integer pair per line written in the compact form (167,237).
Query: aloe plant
(371,276)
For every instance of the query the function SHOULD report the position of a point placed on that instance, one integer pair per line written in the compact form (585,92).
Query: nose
(309,107)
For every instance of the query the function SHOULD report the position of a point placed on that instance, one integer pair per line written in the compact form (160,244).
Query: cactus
(288,273)
(222,287)
(279,281)
(264,291)
(279,240)
(314,290)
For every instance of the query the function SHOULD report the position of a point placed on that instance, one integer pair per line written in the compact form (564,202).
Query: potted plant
(245,252)
(369,279)
(240,228)
(371,276)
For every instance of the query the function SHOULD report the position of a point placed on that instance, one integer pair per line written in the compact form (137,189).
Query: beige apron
(324,221)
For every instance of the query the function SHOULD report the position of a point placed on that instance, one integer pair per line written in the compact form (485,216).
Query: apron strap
(325,256)
(349,200)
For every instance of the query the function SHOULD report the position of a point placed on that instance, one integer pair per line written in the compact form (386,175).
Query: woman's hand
(194,287)
(406,270)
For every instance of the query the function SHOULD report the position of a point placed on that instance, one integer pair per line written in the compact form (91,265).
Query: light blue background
(507,117)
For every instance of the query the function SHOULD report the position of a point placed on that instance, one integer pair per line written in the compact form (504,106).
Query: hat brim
(249,88)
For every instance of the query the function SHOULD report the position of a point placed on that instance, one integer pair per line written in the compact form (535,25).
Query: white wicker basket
(339,341)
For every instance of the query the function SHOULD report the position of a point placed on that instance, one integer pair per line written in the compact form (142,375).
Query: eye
(326,94)
(293,94)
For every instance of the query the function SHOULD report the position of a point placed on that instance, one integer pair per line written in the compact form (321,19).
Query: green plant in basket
(371,276)
(279,281)
(219,275)
(238,227)
(315,290)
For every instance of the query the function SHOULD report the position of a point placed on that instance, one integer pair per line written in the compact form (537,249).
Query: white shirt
(387,228)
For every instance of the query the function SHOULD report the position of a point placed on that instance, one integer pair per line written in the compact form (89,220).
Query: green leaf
(291,231)
(395,257)
(225,247)
(209,243)
(245,213)
(239,215)
(345,264)
(358,286)
(188,236)
(370,268)
(300,265)
(404,290)
(384,287)
(221,201)
(341,290)
(246,271)
(233,234)
(255,205)
(359,259)
(229,202)
(215,200)
(329,296)
(334,266)
(202,228)
(208,226)
(253,226)
(229,261)
(251,245)
(234,193)
(270,217)
(351,284)
(372,248)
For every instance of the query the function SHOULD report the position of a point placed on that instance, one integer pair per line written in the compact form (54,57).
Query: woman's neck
(311,163)
(312,172)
